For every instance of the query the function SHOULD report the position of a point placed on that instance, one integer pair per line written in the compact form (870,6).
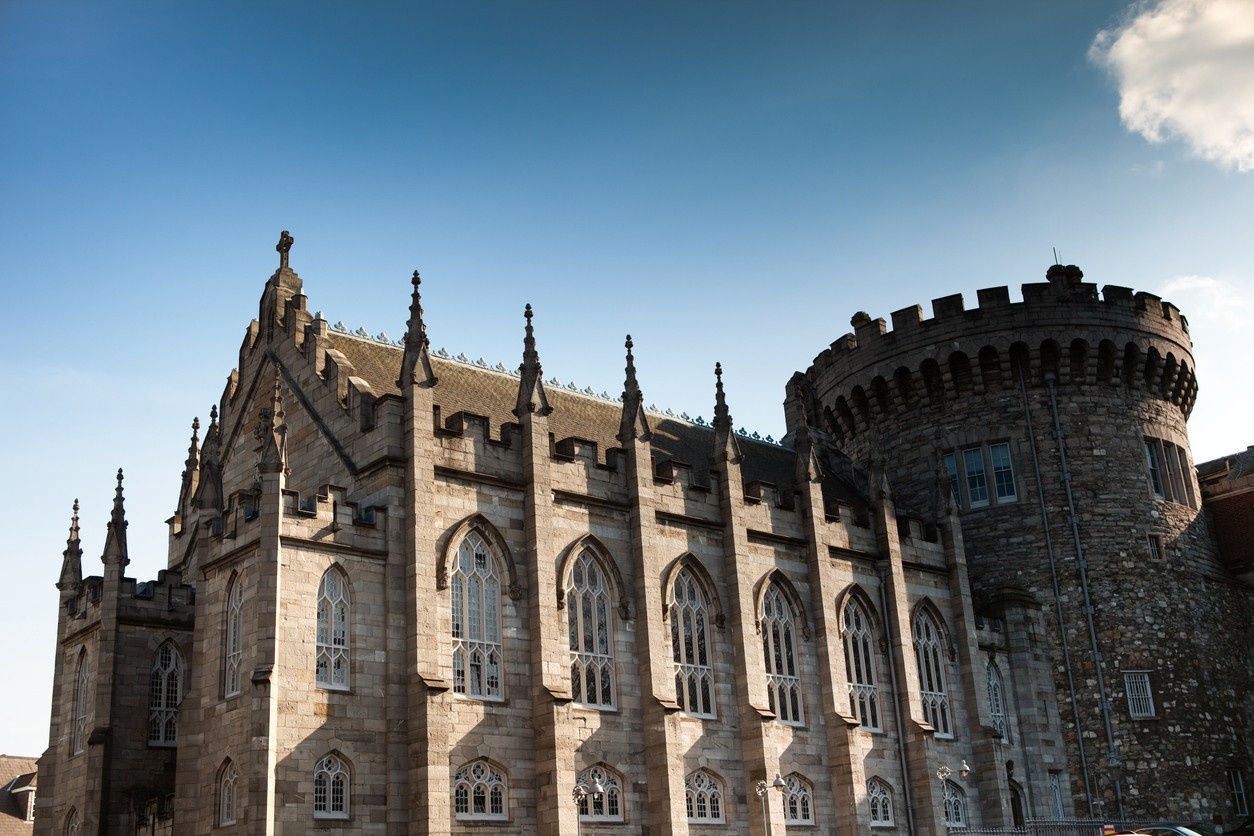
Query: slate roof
(465,387)
(17,776)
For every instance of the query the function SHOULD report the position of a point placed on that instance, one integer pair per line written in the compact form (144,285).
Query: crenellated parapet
(1064,330)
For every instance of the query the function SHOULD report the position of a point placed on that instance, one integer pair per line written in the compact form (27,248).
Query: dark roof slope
(17,778)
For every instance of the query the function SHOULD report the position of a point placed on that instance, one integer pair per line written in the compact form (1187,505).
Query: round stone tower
(1056,426)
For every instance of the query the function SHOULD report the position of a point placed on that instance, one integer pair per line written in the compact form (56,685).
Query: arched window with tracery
(779,649)
(605,806)
(82,704)
(955,805)
(331,788)
(480,792)
(703,796)
(997,702)
(227,807)
(798,800)
(930,654)
(233,638)
(475,587)
(864,698)
(165,692)
(690,642)
(591,624)
(72,827)
(332,667)
(880,798)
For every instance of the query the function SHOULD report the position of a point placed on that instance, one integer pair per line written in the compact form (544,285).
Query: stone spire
(209,489)
(72,557)
(191,467)
(531,396)
(634,423)
(416,364)
(808,468)
(726,446)
(271,434)
(115,542)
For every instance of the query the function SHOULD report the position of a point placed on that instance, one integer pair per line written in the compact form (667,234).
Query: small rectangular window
(1236,783)
(977,481)
(1155,547)
(951,467)
(1140,697)
(1003,472)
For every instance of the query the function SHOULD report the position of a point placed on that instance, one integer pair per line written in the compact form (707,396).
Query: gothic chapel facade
(408,594)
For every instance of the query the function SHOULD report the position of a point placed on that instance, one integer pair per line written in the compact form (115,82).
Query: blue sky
(726,181)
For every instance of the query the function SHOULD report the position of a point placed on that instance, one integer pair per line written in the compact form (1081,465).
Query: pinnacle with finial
(115,543)
(531,358)
(72,540)
(722,415)
(630,384)
(193,449)
(416,327)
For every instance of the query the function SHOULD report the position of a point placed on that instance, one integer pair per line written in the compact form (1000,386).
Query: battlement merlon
(1047,308)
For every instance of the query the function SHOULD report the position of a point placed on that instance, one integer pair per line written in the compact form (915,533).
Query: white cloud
(1185,69)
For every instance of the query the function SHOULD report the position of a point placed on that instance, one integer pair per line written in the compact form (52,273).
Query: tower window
(969,473)
(1140,695)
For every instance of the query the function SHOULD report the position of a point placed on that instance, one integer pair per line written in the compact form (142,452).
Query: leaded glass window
(880,799)
(955,801)
(798,801)
(165,692)
(331,789)
(476,609)
(779,649)
(690,643)
(233,638)
(931,659)
(332,667)
(591,626)
(82,697)
(226,794)
(479,792)
(997,702)
(606,805)
(703,796)
(864,701)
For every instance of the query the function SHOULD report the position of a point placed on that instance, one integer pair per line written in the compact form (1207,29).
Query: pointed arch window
(607,806)
(997,702)
(72,827)
(591,626)
(226,794)
(480,792)
(233,650)
(880,797)
(931,658)
(331,789)
(165,692)
(690,644)
(798,800)
(475,588)
(864,699)
(703,796)
(779,649)
(82,696)
(955,801)
(332,667)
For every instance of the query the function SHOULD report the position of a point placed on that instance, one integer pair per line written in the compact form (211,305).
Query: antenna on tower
(1056,261)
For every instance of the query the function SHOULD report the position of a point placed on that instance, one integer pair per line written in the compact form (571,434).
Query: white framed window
(590,620)
(931,659)
(1155,546)
(779,650)
(475,586)
(955,801)
(480,793)
(703,796)
(332,666)
(226,794)
(798,800)
(1140,694)
(82,707)
(690,643)
(997,702)
(606,806)
(1236,783)
(72,827)
(880,798)
(864,700)
(1170,475)
(165,692)
(233,638)
(332,782)
(982,476)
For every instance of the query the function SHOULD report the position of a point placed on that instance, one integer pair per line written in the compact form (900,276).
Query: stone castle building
(975,584)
